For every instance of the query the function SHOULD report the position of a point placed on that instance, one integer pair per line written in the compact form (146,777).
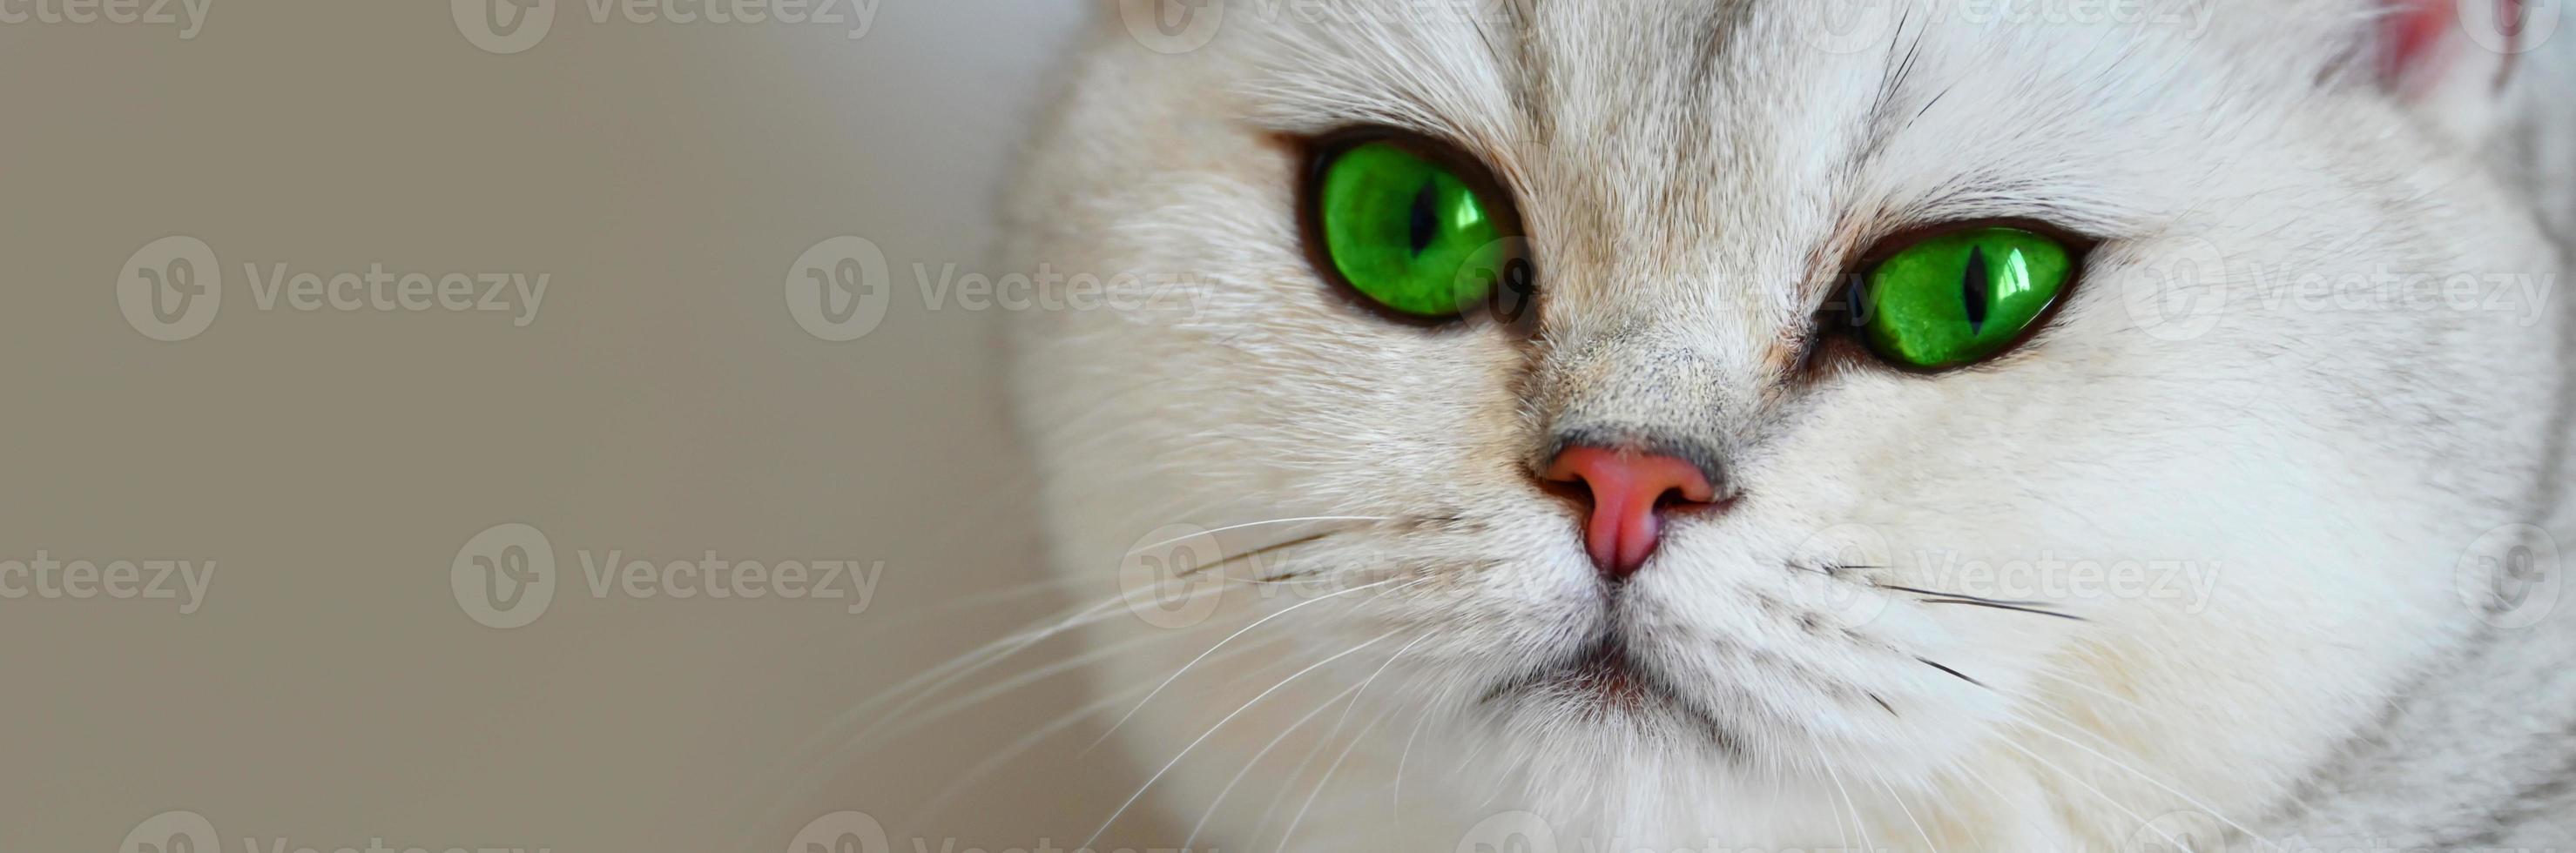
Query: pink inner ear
(2411,41)
(2416,39)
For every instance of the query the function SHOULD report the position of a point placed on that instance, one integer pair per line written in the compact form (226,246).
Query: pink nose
(1628,490)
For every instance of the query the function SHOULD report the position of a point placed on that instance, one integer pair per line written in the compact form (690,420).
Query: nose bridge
(1645,388)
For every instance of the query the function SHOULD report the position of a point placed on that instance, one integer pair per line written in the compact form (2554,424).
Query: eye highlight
(1960,297)
(1409,230)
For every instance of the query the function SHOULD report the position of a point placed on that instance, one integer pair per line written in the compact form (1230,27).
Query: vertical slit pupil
(1977,285)
(1426,216)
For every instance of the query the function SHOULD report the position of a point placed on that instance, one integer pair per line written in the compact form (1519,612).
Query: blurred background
(354,348)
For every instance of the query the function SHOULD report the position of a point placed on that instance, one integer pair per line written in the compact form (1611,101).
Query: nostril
(1625,492)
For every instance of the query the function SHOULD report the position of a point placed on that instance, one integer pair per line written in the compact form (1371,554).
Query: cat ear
(2452,60)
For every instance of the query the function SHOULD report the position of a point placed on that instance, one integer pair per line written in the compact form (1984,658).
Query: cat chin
(1646,776)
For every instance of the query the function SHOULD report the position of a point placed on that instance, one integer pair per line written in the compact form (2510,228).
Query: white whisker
(1320,784)
(1185,668)
(1212,730)
(1249,524)
(1221,793)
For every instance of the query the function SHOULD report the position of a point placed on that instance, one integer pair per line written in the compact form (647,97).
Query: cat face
(2207,505)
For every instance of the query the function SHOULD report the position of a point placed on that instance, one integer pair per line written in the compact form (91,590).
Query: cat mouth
(1607,683)
(1607,675)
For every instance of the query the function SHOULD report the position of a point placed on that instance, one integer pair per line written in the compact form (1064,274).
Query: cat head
(1708,400)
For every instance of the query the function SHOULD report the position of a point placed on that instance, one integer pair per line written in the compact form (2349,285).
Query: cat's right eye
(1960,297)
(1415,232)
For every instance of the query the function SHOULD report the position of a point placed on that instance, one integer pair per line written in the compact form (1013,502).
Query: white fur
(1694,176)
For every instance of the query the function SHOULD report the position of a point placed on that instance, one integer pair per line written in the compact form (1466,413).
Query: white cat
(1797,424)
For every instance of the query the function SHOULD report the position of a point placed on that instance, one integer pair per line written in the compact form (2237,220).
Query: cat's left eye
(1413,228)
(1960,297)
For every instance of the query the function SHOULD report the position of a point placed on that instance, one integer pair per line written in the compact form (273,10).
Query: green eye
(1407,232)
(1951,300)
